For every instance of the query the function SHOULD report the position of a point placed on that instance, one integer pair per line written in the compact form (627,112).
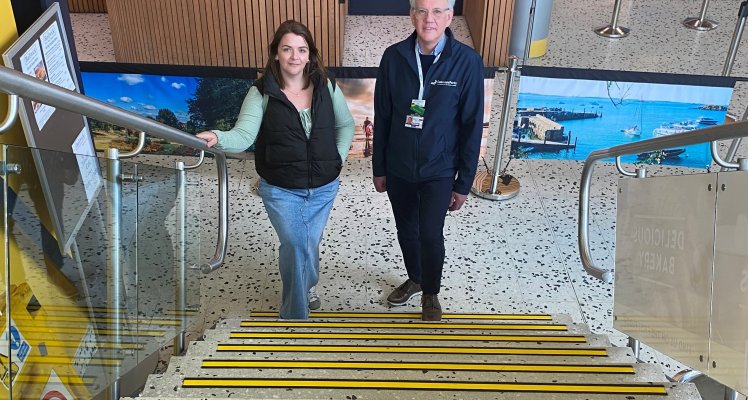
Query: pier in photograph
(538,133)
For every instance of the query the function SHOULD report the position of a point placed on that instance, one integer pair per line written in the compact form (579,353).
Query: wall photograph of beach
(568,118)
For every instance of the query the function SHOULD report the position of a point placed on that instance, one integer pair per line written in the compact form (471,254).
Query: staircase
(397,356)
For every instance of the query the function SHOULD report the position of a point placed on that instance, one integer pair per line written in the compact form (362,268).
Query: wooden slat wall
(87,6)
(218,32)
(490,25)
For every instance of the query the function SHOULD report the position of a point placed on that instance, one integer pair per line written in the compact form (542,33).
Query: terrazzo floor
(515,256)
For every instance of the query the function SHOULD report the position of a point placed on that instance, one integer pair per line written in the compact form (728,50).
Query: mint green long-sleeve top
(244,133)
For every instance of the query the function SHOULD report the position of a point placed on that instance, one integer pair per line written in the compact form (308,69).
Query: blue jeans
(298,217)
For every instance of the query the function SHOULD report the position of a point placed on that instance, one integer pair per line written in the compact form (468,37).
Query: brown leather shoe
(403,293)
(431,310)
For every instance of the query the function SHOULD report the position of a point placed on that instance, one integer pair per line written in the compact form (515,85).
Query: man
(368,132)
(428,105)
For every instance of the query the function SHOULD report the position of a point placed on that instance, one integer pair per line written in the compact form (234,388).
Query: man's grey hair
(450,2)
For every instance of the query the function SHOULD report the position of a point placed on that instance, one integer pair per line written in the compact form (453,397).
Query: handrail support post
(613,31)
(736,36)
(509,183)
(181,295)
(114,266)
(700,23)
(635,346)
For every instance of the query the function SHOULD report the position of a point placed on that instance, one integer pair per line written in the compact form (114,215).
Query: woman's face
(293,54)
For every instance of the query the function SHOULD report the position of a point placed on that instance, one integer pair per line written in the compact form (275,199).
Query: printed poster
(32,63)
(87,163)
(55,58)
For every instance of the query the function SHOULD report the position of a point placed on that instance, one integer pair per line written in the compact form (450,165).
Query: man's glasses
(438,13)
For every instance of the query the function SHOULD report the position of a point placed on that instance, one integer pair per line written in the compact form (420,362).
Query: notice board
(60,140)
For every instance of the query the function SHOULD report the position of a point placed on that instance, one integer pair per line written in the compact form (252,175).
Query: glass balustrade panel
(72,327)
(168,247)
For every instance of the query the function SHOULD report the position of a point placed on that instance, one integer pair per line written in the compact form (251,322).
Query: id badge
(417,111)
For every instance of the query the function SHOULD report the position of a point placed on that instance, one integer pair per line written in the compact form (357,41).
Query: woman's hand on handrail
(210,137)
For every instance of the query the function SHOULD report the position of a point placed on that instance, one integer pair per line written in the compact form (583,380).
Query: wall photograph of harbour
(568,118)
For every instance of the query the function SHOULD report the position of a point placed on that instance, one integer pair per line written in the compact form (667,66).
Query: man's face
(431,18)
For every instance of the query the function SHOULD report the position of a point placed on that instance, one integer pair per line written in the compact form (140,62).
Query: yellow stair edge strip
(398,325)
(432,366)
(396,336)
(497,317)
(411,349)
(425,385)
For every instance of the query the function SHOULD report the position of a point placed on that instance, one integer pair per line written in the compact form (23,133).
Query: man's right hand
(380,183)
(210,138)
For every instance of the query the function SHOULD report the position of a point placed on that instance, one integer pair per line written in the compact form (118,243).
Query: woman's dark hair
(315,65)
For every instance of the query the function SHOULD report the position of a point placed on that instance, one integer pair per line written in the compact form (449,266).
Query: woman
(303,130)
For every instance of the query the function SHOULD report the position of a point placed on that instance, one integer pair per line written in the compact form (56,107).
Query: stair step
(434,371)
(508,353)
(373,356)
(405,327)
(200,351)
(408,325)
(175,387)
(315,315)
(422,349)
(413,338)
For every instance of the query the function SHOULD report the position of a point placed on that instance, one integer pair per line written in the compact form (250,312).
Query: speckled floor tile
(93,37)
(652,23)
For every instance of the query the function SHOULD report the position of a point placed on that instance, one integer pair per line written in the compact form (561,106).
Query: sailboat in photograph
(635,130)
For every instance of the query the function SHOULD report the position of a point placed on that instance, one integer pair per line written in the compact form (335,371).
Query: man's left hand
(457,201)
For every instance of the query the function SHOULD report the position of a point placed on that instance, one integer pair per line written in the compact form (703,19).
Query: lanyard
(420,69)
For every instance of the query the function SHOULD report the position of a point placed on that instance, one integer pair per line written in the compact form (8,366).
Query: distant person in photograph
(300,122)
(368,132)
(428,105)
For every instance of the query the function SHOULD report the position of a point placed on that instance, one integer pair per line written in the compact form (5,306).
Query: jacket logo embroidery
(437,82)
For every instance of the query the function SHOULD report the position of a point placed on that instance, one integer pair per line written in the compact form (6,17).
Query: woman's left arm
(344,127)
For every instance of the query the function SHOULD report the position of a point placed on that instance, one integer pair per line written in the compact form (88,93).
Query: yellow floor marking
(60,360)
(42,380)
(82,319)
(102,345)
(62,329)
(104,310)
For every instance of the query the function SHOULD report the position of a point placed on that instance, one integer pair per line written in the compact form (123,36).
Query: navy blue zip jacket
(449,143)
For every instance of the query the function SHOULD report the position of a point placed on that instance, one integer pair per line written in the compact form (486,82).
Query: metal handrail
(138,148)
(10,119)
(718,159)
(622,170)
(733,150)
(198,163)
(703,135)
(17,83)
